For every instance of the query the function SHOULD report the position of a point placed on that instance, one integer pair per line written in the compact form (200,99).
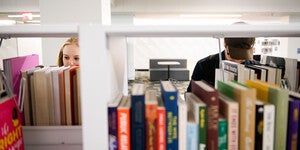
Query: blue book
(192,136)
(137,119)
(169,94)
(112,108)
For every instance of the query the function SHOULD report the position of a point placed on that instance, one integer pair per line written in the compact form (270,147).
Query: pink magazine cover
(18,64)
(11,135)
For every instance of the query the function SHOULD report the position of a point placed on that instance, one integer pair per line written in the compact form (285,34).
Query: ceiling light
(210,15)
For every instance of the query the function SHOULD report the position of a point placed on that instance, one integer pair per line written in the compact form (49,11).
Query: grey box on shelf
(162,69)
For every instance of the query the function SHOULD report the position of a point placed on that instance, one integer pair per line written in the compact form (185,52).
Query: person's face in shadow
(71,55)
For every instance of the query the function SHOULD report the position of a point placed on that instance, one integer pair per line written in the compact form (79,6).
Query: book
(223,75)
(124,125)
(169,94)
(199,109)
(269,126)
(246,98)
(191,131)
(210,96)
(112,111)
(259,124)
(11,135)
(222,133)
(41,103)
(260,73)
(161,124)
(182,123)
(279,97)
(236,68)
(230,110)
(293,124)
(137,119)
(27,110)
(151,103)
(265,121)
(13,66)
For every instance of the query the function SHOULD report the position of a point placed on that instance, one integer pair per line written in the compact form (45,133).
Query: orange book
(161,125)
(151,119)
(124,124)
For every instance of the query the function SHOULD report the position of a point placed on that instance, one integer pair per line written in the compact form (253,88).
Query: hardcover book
(293,124)
(230,110)
(11,135)
(182,123)
(13,66)
(192,131)
(246,98)
(137,119)
(279,97)
(198,108)
(210,96)
(169,94)
(151,119)
(222,133)
(124,125)
(161,125)
(112,111)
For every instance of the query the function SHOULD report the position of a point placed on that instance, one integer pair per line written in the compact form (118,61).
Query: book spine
(293,124)
(124,129)
(182,123)
(170,100)
(138,122)
(222,135)
(151,132)
(192,137)
(259,122)
(269,121)
(233,127)
(112,128)
(161,128)
(202,128)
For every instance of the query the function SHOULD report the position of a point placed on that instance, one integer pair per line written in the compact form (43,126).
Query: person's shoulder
(213,57)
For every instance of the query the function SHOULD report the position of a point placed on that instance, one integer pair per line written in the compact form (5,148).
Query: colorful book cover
(169,94)
(13,66)
(112,111)
(210,96)
(246,98)
(137,119)
(161,125)
(230,110)
(222,135)
(279,97)
(124,125)
(293,124)
(151,119)
(199,109)
(11,135)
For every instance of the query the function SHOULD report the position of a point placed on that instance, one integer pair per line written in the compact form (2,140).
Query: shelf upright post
(94,76)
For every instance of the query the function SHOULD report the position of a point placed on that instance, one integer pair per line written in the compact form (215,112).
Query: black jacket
(205,69)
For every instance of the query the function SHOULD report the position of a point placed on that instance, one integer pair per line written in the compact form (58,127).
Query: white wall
(188,6)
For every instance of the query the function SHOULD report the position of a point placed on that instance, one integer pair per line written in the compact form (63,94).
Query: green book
(222,133)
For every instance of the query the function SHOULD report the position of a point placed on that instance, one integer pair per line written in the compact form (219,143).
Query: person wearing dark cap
(238,50)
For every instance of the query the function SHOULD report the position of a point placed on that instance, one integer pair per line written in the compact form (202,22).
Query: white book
(236,68)
(182,123)
(268,131)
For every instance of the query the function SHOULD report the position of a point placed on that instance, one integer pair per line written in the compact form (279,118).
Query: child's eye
(66,57)
(77,59)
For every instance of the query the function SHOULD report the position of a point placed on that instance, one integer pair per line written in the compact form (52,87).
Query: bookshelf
(104,71)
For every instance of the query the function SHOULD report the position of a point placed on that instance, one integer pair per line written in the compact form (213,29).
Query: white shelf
(97,72)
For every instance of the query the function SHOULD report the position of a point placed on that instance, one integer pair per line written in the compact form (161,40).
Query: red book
(11,135)
(210,96)
(161,125)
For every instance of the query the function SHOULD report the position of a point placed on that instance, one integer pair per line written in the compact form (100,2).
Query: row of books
(255,115)
(48,95)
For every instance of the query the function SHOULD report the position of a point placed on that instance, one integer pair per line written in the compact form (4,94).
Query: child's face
(71,55)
